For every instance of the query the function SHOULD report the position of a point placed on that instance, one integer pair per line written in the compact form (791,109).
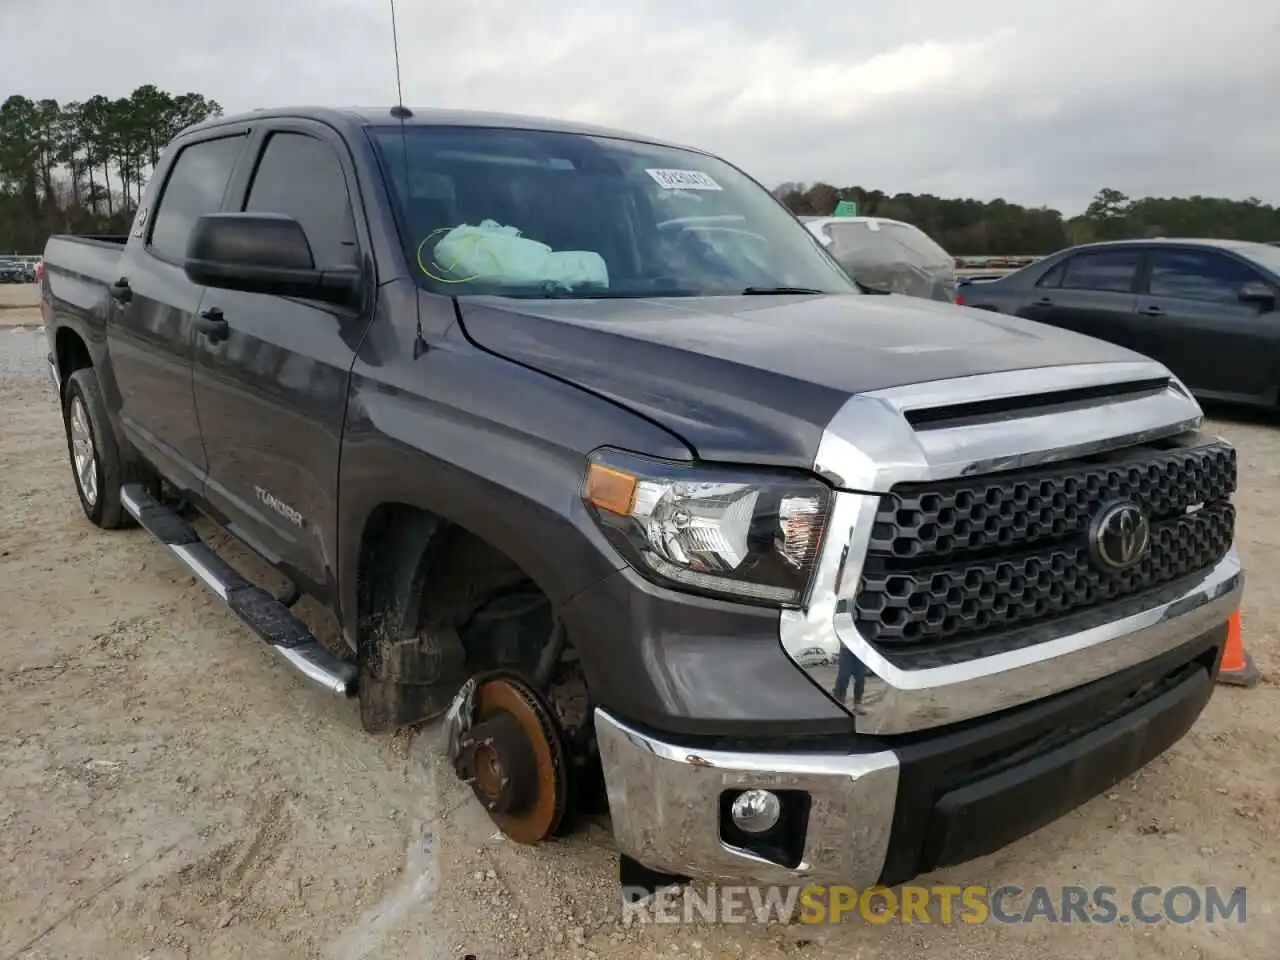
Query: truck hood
(756,379)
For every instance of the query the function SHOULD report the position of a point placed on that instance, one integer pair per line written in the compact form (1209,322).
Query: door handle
(213,324)
(1152,311)
(121,292)
(1044,302)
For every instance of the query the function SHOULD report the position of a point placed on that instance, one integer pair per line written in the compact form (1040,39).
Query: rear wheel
(96,463)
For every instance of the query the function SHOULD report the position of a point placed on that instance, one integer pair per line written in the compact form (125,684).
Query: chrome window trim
(869,446)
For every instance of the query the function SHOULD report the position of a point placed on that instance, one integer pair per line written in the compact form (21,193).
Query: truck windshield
(526,213)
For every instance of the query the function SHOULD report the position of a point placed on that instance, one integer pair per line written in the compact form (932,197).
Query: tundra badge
(279,506)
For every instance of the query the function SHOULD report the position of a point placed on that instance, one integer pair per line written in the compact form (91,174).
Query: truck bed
(78,270)
(95,255)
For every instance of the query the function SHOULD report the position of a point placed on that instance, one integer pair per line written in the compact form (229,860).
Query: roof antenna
(401,113)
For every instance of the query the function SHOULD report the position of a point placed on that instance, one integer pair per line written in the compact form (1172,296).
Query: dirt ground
(170,789)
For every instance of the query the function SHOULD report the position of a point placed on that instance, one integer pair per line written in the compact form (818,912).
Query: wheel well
(438,603)
(70,353)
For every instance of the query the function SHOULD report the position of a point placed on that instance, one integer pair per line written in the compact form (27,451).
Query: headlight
(749,534)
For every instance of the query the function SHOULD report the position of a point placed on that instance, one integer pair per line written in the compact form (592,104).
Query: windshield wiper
(776,291)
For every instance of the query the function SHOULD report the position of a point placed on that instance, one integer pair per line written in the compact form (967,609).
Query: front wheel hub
(501,764)
(513,757)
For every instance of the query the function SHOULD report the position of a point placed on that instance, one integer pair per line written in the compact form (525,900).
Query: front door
(272,394)
(153,307)
(1191,318)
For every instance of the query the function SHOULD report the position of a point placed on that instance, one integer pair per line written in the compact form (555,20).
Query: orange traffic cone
(1237,666)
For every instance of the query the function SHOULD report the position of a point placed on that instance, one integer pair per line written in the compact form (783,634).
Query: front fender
(486,444)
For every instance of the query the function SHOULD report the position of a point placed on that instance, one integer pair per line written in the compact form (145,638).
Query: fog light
(756,811)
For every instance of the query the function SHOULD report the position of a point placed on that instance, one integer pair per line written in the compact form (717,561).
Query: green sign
(846,208)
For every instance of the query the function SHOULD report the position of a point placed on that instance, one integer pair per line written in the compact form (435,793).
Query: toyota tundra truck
(600,461)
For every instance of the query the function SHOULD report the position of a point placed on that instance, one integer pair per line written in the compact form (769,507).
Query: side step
(265,615)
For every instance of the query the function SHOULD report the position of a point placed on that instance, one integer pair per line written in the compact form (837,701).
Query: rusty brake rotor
(513,755)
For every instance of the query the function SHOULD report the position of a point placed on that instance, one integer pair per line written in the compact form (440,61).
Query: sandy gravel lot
(169,789)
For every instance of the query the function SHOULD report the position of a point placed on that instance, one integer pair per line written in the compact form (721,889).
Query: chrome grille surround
(1043,417)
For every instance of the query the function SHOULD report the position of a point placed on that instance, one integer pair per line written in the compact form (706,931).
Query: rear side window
(1112,270)
(195,187)
(1054,277)
(301,177)
(1193,275)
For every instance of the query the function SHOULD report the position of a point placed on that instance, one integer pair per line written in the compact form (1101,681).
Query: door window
(301,177)
(195,187)
(1197,275)
(1053,278)
(1111,270)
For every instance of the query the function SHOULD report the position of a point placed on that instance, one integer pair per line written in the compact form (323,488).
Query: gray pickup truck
(593,451)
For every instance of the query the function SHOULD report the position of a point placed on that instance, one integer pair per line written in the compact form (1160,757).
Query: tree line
(80,167)
(997,227)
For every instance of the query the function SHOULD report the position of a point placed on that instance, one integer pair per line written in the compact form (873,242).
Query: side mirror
(264,253)
(1259,293)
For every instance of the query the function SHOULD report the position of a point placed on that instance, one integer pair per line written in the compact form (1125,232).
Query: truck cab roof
(345,118)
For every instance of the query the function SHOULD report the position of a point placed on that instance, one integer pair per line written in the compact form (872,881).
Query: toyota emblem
(1119,536)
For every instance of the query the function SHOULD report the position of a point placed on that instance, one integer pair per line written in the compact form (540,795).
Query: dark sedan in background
(1207,309)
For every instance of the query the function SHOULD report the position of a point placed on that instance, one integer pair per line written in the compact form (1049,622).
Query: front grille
(982,556)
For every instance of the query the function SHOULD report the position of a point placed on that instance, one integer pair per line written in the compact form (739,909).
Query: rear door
(150,331)
(272,394)
(1091,292)
(1191,318)
(1038,302)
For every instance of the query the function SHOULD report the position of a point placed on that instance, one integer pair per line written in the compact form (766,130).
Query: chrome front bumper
(664,802)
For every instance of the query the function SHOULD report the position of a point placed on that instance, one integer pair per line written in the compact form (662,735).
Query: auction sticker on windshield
(683,180)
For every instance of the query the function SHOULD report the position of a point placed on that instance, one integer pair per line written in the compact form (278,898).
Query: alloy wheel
(83,453)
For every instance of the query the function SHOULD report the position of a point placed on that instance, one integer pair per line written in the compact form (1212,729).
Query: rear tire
(97,467)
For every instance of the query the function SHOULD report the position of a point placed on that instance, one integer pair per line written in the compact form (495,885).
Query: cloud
(1039,103)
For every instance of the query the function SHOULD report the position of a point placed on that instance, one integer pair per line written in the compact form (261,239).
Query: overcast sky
(1038,101)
